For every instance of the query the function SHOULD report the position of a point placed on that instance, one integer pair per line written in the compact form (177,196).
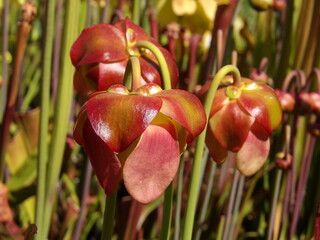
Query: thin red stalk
(222,21)
(104,16)
(83,204)
(5,20)
(56,50)
(153,24)
(229,214)
(305,168)
(194,43)
(220,49)
(28,12)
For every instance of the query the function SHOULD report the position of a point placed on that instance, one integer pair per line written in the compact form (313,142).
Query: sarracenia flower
(101,54)
(241,120)
(138,136)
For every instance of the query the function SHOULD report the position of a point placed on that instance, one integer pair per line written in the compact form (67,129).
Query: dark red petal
(217,152)
(82,84)
(99,43)
(78,127)
(231,125)
(107,74)
(185,108)
(120,119)
(152,165)
(106,165)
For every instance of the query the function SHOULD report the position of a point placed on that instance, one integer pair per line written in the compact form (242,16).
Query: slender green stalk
(179,200)
(205,204)
(136,11)
(61,117)
(162,62)
(274,203)
(167,212)
(220,227)
(109,215)
(196,170)
(44,115)
(132,75)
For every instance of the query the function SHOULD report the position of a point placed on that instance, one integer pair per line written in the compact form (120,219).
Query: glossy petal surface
(78,127)
(119,119)
(252,155)
(217,152)
(99,43)
(153,163)
(185,108)
(231,126)
(104,162)
(262,103)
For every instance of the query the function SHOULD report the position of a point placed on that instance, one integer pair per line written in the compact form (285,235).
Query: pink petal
(120,119)
(230,126)
(152,165)
(253,154)
(99,43)
(185,108)
(106,165)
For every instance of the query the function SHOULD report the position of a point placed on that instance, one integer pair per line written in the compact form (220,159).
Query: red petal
(152,165)
(119,119)
(262,103)
(107,74)
(253,153)
(82,84)
(217,152)
(125,24)
(230,125)
(104,162)
(99,43)
(185,108)
(78,127)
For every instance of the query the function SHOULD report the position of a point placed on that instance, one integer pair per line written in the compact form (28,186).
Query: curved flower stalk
(242,118)
(101,54)
(138,136)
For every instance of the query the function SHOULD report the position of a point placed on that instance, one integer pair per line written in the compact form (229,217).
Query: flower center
(233,92)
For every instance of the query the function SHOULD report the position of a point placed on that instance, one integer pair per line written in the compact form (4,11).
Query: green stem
(109,215)
(274,203)
(196,170)
(136,11)
(167,212)
(162,62)
(61,116)
(44,117)
(179,199)
(132,75)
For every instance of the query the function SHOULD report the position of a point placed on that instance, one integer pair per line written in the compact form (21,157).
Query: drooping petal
(152,165)
(252,155)
(261,102)
(81,83)
(231,126)
(107,74)
(217,152)
(185,108)
(104,162)
(99,43)
(78,127)
(119,119)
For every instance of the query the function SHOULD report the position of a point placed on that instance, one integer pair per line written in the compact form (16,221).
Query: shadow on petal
(104,162)
(152,165)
